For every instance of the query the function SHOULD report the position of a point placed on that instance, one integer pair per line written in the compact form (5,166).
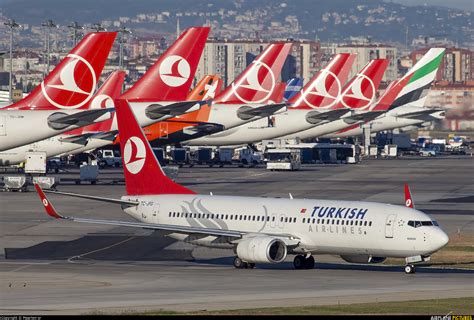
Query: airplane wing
(236,235)
(318,117)
(247,113)
(157,111)
(61,120)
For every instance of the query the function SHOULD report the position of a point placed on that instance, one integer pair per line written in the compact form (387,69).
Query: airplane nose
(440,239)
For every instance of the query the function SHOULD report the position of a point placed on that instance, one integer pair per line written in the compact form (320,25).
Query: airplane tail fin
(278,93)
(293,86)
(413,87)
(72,83)
(258,81)
(170,78)
(408,198)
(360,92)
(206,89)
(325,87)
(142,171)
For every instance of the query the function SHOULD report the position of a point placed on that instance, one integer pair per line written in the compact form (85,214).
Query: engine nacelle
(363,259)
(262,250)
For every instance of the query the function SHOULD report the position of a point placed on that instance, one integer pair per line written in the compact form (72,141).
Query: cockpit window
(417,224)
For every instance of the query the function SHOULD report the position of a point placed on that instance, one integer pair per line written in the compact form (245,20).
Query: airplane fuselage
(319,226)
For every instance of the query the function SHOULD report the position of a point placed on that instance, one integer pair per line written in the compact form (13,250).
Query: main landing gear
(239,264)
(302,262)
(409,268)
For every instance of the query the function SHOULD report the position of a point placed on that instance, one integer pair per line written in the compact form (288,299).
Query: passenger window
(304,220)
(170,214)
(337,222)
(370,223)
(332,221)
(365,223)
(226,216)
(273,219)
(268,218)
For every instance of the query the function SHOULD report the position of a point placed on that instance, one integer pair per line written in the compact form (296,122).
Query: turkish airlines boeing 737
(261,230)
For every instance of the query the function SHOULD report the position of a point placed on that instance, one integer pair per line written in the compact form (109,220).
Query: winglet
(47,205)
(408,198)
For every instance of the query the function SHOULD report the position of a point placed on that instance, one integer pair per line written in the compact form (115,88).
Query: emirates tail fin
(72,83)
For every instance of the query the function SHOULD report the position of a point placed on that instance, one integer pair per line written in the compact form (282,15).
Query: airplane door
(156,211)
(389,224)
(3,125)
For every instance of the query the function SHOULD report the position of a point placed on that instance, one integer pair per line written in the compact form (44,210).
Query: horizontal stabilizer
(247,113)
(421,114)
(205,127)
(109,135)
(60,121)
(126,203)
(157,111)
(317,117)
(78,139)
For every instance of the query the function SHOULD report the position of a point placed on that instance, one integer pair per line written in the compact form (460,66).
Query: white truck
(107,158)
(283,159)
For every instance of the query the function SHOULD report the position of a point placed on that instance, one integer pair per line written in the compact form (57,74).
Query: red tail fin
(408,199)
(324,89)
(259,79)
(361,90)
(278,93)
(207,88)
(110,90)
(170,78)
(143,173)
(72,83)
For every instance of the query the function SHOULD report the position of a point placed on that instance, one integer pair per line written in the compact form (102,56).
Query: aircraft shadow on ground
(340,266)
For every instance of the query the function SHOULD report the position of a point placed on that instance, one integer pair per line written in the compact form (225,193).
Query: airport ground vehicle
(283,159)
(425,152)
(260,229)
(108,158)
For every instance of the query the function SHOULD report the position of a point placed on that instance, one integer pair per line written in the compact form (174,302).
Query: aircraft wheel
(409,268)
(251,265)
(309,262)
(299,262)
(238,263)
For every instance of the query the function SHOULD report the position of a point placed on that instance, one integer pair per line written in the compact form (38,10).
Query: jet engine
(262,250)
(363,259)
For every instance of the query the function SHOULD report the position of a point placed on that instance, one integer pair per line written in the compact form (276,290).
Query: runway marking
(70,260)
(20,268)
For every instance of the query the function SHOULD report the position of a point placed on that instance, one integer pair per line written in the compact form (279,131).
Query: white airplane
(261,230)
(70,140)
(60,103)
(406,104)
(321,92)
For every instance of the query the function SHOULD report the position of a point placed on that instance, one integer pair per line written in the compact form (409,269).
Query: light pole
(75,27)
(12,25)
(122,40)
(48,24)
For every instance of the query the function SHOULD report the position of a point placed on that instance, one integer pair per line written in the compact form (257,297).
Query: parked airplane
(356,99)
(70,140)
(205,89)
(260,229)
(161,93)
(322,91)
(406,107)
(246,99)
(58,104)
